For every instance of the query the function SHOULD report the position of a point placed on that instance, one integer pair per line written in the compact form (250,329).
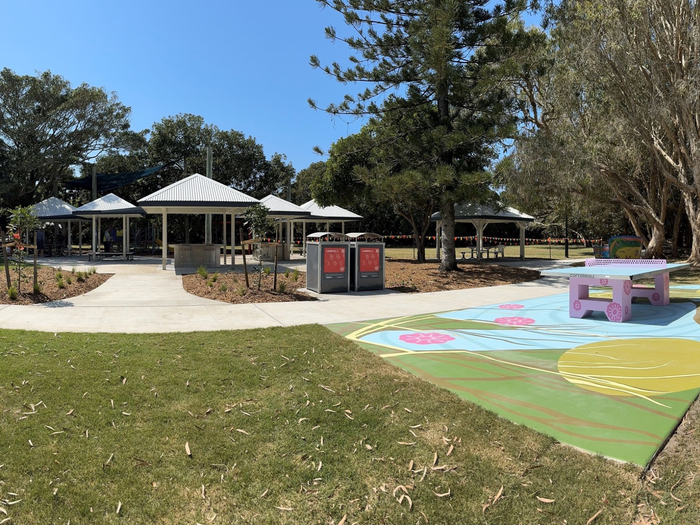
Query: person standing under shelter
(107,241)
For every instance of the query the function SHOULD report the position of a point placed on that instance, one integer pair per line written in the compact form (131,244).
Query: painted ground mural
(615,389)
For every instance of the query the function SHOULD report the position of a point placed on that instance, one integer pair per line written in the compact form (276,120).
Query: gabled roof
(281,208)
(109,205)
(53,209)
(330,213)
(466,211)
(197,191)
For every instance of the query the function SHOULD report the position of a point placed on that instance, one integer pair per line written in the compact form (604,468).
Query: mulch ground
(401,275)
(48,279)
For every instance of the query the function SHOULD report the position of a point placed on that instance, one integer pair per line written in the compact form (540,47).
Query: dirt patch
(412,277)
(401,275)
(74,283)
(230,287)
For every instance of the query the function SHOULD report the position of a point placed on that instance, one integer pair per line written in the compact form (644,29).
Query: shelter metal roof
(466,211)
(193,193)
(108,206)
(53,209)
(329,213)
(281,208)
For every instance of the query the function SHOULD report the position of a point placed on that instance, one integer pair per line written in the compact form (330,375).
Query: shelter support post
(223,229)
(522,240)
(288,248)
(342,227)
(94,236)
(126,237)
(80,237)
(233,239)
(165,238)
(303,239)
(70,239)
(123,238)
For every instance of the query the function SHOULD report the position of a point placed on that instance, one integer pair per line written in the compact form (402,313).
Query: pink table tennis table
(617,274)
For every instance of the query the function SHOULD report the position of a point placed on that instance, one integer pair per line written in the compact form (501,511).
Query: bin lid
(332,236)
(354,236)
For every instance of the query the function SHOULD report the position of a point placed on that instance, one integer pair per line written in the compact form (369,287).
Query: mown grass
(293,425)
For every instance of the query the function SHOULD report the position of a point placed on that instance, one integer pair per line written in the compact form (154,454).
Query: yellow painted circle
(634,367)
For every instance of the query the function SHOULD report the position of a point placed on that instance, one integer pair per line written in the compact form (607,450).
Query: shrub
(202,271)
(69,280)
(215,277)
(223,287)
(60,283)
(282,287)
(72,270)
(12,293)
(91,270)
(210,284)
(81,277)
(266,270)
(242,291)
(37,288)
(59,275)
(295,275)
(287,272)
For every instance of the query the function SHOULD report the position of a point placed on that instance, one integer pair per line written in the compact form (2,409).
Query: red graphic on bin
(334,260)
(369,260)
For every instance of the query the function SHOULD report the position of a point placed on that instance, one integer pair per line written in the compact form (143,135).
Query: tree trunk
(655,248)
(694,222)
(448,262)
(676,229)
(7,263)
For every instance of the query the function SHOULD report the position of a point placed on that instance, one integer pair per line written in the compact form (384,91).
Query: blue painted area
(552,327)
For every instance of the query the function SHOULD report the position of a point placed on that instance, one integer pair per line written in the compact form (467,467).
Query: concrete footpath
(142,298)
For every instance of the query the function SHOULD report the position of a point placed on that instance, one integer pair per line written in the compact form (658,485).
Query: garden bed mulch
(401,275)
(74,284)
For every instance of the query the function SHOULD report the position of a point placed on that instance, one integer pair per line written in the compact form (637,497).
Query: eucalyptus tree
(46,128)
(577,134)
(443,55)
(647,54)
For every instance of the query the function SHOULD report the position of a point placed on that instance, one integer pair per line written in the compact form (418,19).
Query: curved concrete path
(141,297)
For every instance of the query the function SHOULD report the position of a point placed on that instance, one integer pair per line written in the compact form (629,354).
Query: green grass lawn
(294,425)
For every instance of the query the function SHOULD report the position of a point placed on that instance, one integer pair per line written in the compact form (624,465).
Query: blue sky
(241,65)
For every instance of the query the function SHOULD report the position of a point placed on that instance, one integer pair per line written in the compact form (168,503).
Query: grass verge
(293,425)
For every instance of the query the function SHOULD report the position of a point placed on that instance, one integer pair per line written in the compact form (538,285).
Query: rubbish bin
(327,262)
(366,261)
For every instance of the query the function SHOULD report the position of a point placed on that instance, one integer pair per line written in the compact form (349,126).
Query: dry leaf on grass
(443,494)
(545,500)
(592,518)
(342,520)
(187,449)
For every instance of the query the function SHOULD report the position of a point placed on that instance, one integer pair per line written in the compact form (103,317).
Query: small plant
(92,270)
(282,287)
(37,288)
(81,276)
(69,280)
(295,275)
(215,277)
(287,272)
(266,270)
(210,284)
(59,275)
(202,271)
(60,283)
(72,270)
(242,291)
(12,292)
(223,287)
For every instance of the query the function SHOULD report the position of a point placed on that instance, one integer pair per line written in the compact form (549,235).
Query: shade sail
(112,181)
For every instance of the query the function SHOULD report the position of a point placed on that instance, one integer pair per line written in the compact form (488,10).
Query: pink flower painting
(514,321)
(614,311)
(426,338)
(511,306)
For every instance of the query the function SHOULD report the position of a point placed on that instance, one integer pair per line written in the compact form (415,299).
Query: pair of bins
(336,262)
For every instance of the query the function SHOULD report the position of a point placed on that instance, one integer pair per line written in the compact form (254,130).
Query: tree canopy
(46,128)
(446,62)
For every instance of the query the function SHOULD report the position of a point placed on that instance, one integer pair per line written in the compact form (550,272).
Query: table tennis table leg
(620,309)
(578,292)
